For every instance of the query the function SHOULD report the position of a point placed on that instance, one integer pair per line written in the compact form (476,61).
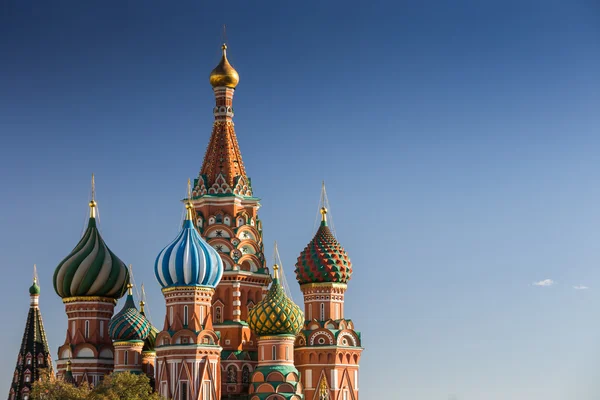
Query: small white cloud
(580,287)
(545,282)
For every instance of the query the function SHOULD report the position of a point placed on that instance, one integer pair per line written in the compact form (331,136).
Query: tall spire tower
(34,357)
(226,215)
(89,280)
(328,349)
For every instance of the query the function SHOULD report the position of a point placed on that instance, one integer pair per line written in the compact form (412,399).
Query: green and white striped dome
(91,269)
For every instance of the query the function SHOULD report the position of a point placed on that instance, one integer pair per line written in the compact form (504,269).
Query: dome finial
(189,215)
(324,215)
(93,203)
(275,271)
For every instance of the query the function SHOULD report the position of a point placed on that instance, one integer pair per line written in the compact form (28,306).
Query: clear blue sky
(458,139)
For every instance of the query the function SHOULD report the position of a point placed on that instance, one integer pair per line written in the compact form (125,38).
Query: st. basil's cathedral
(230,331)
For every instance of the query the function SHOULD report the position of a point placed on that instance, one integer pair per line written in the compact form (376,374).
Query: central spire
(223,170)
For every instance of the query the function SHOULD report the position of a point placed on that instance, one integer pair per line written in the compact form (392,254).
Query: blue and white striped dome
(189,260)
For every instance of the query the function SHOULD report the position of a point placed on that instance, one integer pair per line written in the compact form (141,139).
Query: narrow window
(310,312)
(322,311)
(87,329)
(218,315)
(262,353)
(345,394)
(245,375)
(274,352)
(101,329)
(206,395)
(185,316)
(337,311)
(287,357)
(308,379)
(183,390)
(201,314)
(126,358)
(171,315)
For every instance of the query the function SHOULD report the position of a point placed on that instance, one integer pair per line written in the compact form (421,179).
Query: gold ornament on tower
(224,74)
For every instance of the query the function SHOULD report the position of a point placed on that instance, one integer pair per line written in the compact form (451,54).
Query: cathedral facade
(230,329)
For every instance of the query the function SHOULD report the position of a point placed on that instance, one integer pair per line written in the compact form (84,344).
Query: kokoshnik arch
(230,330)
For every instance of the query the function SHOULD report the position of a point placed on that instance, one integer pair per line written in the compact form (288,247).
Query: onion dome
(91,269)
(323,259)
(276,314)
(224,74)
(189,260)
(129,323)
(34,289)
(150,341)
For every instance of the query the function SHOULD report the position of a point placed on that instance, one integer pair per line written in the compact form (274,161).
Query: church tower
(276,320)
(89,280)
(187,349)
(227,217)
(34,359)
(328,349)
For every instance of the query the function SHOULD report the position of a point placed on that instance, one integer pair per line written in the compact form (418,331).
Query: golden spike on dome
(188,204)
(275,271)
(142,304)
(93,203)
(224,74)
(129,289)
(323,214)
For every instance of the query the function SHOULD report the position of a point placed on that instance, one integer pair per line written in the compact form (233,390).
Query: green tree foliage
(50,388)
(119,386)
(124,386)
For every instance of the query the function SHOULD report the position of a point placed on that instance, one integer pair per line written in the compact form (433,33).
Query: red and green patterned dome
(323,259)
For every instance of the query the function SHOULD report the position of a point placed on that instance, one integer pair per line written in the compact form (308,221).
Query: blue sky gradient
(458,140)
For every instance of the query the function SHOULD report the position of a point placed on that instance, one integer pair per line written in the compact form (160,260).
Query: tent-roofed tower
(34,359)
(226,215)
(89,280)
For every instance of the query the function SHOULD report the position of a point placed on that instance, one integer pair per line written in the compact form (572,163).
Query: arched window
(185,315)
(322,311)
(231,374)
(274,353)
(245,375)
(87,329)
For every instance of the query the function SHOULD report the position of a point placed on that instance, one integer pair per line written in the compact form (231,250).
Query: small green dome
(129,323)
(34,289)
(276,314)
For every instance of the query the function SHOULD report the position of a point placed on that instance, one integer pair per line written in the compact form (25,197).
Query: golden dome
(224,74)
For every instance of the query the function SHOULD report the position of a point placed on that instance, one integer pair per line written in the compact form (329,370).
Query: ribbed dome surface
(188,261)
(323,260)
(91,269)
(129,323)
(276,314)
